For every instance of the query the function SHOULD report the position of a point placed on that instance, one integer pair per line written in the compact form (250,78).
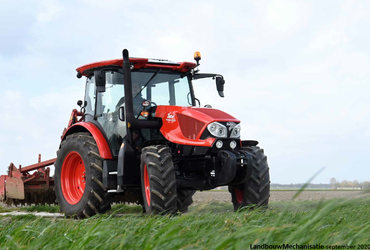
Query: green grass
(318,189)
(288,189)
(40,208)
(4,209)
(211,226)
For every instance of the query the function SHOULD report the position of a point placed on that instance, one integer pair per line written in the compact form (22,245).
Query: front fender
(99,138)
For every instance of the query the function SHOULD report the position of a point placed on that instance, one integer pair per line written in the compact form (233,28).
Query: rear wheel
(158,180)
(256,190)
(78,177)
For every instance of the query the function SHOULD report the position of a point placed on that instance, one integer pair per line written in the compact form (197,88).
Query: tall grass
(211,226)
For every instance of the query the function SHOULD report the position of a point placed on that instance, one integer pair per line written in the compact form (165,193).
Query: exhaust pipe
(129,105)
(132,122)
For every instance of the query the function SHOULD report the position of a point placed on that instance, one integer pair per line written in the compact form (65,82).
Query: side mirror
(79,103)
(121,114)
(220,85)
(99,80)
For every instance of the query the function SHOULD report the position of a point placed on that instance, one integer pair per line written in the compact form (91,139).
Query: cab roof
(138,63)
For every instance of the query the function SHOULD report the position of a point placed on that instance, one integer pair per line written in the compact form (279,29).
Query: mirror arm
(204,75)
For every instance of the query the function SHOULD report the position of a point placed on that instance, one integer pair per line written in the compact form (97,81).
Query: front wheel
(256,190)
(184,199)
(158,180)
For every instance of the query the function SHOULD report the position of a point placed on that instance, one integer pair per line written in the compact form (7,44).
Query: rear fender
(99,138)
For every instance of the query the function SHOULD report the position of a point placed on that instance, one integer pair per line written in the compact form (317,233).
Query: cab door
(108,104)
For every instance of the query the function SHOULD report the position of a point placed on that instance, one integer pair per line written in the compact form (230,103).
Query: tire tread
(257,187)
(162,179)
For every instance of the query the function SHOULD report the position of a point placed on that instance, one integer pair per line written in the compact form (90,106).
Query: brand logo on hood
(170,117)
(231,125)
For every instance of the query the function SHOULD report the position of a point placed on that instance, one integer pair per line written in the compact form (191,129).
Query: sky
(297,72)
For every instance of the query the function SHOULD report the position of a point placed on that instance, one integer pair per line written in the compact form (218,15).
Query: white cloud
(50,9)
(19,138)
(13,97)
(328,39)
(315,68)
(284,15)
(33,124)
(367,133)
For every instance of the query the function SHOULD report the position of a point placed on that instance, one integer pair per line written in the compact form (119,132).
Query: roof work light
(197,57)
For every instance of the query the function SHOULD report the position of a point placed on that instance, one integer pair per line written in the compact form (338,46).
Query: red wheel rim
(239,194)
(146,185)
(73,178)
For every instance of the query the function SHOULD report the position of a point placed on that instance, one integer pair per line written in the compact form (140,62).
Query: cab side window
(90,96)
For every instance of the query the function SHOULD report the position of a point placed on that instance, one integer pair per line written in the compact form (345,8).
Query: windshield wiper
(151,78)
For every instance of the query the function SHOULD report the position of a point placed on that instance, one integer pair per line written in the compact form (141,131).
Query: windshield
(161,88)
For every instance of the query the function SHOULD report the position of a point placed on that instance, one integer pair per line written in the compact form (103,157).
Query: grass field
(297,189)
(210,226)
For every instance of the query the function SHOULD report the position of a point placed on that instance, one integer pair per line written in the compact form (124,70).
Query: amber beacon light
(197,57)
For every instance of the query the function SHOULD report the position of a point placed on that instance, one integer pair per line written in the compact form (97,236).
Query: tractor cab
(153,83)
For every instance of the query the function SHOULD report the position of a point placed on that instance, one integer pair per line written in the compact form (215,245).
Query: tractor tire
(255,192)
(78,178)
(158,180)
(184,199)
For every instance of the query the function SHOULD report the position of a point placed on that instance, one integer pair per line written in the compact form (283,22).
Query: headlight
(217,129)
(235,133)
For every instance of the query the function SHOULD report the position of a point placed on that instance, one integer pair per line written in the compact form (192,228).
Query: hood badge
(170,118)
(231,125)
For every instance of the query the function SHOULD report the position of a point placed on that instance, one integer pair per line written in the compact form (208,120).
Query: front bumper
(226,168)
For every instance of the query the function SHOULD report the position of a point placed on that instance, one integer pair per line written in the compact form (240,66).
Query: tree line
(334,183)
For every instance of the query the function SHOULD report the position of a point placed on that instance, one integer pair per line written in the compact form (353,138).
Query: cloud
(285,15)
(328,39)
(32,125)
(50,9)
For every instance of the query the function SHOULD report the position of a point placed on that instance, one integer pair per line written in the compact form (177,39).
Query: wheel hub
(73,178)
(239,194)
(147,185)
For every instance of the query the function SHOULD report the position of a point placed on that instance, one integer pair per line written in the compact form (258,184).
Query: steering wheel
(140,108)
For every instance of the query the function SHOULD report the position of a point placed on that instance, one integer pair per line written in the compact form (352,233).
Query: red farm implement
(28,185)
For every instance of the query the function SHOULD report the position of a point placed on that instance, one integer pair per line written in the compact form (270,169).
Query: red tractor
(140,137)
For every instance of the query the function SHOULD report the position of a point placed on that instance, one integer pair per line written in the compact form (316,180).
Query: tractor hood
(185,125)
